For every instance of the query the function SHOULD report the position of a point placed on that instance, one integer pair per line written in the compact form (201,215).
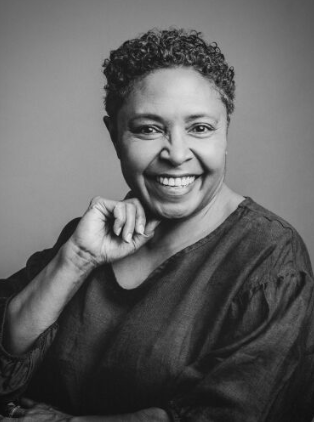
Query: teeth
(176,181)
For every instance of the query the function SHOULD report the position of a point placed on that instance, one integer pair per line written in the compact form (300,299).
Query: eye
(147,130)
(202,129)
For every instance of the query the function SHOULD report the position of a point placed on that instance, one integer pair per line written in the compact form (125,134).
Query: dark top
(221,331)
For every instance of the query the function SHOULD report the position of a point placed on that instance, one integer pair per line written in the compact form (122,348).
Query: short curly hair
(160,49)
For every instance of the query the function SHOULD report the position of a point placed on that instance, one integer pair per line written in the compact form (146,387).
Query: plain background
(55,153)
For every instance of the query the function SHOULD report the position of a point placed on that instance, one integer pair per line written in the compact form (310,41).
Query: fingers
(124,223)
(18,412)
(129,219)
(151,226)
(119,218)
(102,205)
(31,411)
(129,215)
(140,220)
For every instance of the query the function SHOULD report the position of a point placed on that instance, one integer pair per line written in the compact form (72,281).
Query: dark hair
(159,49)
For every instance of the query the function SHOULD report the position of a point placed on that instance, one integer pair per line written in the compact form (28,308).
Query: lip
(167,191)
(174,175)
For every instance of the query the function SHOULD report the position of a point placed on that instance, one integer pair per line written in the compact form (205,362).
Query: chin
(172,212)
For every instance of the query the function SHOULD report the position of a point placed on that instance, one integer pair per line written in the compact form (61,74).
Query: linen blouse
(221,331)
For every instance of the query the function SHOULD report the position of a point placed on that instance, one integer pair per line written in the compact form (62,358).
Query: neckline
(207,238)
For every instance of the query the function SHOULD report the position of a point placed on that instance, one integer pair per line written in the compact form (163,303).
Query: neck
(174,235)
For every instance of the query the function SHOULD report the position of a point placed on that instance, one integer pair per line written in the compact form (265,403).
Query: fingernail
(128,238)
(118,231)
(140,229)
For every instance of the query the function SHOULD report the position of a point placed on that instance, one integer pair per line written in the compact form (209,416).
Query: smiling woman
(184,301)
(172,141)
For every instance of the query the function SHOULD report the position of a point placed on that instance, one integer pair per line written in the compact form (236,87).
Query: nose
(176,149)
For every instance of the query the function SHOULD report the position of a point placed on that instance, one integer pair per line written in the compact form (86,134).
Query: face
(171,141)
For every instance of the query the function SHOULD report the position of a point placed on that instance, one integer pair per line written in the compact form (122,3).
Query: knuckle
(118,210)
(131,212)
(130,206)
(119,214)
(94,201)
(133,201)
(140,214)
(119,206)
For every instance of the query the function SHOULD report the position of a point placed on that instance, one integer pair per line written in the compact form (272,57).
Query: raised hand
(108,231)
(111,230)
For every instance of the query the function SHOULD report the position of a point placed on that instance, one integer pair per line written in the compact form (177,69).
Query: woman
(185,301)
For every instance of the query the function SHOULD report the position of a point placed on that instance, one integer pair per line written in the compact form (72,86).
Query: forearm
(39,305)
(146,415)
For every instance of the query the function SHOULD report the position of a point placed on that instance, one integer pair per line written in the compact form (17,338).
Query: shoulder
(273,236)
(265,220)
(272,255)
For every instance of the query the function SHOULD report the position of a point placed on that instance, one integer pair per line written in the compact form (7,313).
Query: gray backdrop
(55,153)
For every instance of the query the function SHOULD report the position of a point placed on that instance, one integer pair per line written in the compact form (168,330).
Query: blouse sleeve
(255,370)
(17,370)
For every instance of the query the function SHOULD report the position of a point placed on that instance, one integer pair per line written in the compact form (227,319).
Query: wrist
(79,259)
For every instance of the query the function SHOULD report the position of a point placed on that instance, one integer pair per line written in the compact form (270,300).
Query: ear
(112,132)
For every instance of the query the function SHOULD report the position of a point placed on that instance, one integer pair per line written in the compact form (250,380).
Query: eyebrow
(202,116)
(148,116)
(151,116)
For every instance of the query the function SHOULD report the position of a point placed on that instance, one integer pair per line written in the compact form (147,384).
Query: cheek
(135,159)
(212,157)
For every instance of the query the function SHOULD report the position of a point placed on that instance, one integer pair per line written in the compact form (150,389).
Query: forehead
(176,91)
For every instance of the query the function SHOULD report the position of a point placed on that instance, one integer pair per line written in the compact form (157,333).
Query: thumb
(151,226)
(141,239)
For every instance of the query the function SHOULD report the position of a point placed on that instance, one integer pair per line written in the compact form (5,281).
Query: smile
(178,182)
